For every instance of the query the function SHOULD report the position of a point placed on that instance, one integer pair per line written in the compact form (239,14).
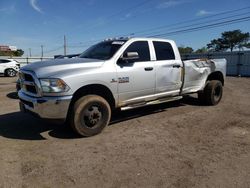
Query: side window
(142,48)
(164,51)
(4,61)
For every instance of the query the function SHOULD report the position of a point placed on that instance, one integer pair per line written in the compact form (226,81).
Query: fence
(27,60)
(238,63)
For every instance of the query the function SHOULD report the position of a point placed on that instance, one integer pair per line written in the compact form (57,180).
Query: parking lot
(178,144)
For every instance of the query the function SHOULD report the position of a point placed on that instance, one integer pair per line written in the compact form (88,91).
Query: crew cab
(116,74)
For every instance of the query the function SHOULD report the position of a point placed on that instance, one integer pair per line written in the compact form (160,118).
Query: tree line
(229,40)
(17,53)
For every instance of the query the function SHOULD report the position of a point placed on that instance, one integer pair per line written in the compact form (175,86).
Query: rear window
(163,50)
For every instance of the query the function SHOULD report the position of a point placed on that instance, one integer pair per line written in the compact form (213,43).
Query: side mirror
(130,56)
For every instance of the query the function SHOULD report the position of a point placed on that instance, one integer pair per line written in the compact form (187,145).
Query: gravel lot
(178,144)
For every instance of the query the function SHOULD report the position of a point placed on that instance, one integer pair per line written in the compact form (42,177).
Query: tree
(230,40)
(185,50)
(5,53)
(19,52)
(202,50)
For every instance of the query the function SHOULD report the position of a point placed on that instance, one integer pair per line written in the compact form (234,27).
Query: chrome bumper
(45,107)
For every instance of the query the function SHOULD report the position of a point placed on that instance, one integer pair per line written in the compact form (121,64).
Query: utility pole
(30,51)
(65,52)
(41,51)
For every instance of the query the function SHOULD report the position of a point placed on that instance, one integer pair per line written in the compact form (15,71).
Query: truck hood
(59,67)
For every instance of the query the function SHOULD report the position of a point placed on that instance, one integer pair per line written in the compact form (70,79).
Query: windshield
(103,50)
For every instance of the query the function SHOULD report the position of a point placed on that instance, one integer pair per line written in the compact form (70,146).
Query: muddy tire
(91,114)
(212,93)
(10,73)
(201,97)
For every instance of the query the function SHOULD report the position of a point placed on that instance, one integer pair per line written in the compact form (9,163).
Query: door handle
(176,66)
(148,68)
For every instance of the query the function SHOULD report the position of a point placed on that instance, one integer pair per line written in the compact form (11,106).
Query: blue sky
(32,23)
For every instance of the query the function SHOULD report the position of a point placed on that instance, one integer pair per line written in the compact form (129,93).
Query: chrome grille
(29,83)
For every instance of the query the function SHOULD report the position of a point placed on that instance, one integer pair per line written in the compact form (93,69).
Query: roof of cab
(137,38)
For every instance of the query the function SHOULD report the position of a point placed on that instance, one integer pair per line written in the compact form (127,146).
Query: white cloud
(171,3)
(34,5)
(203,13)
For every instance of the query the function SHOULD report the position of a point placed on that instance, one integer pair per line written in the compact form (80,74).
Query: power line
(175,24)
(108,18)
(30,52)
(228,22)
(192,29)
(201,23)
(189,21)
(180,30)
(41,50)
(130,8)
(53,50)
(64,46)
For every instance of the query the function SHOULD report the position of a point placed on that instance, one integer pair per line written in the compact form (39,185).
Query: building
(4,48)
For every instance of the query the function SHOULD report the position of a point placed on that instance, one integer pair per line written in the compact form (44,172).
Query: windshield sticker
(118,42)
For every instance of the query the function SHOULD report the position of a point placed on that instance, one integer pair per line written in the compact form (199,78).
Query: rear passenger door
(168,69)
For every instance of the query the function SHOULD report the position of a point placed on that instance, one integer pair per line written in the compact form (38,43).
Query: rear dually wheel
(212,93)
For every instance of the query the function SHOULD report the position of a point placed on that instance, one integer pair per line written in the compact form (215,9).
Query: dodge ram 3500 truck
(116,74)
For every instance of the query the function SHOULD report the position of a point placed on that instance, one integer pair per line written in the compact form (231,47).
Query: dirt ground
(178,144)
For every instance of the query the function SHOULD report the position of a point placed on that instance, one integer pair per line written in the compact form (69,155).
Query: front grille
(28,83)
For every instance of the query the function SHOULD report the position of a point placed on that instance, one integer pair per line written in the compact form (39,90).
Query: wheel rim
(217,93)
(11,72)
(91,116)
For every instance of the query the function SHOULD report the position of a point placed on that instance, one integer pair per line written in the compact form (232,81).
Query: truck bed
(197,71)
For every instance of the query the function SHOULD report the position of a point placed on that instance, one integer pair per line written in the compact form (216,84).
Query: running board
(159,101)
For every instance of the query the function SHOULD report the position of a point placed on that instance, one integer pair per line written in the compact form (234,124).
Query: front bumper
(54,108)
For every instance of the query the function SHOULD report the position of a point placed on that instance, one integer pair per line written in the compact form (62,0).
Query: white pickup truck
(116,74)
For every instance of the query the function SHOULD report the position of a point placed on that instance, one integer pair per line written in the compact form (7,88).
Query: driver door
(136,78)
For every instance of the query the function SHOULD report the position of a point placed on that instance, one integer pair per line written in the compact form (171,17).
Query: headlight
(53,85)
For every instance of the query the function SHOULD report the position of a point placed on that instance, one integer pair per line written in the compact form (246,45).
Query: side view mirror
(130,56)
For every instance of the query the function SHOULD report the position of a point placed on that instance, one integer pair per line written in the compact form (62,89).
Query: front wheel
(10,72)
(91,114)
(212,93)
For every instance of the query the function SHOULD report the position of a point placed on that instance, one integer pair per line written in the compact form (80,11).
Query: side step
(158,101)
